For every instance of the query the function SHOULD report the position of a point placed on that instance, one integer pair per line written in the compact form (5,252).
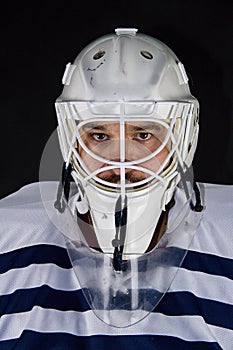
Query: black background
(37,41)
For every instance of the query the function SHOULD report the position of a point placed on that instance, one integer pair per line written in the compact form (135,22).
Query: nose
(117,171)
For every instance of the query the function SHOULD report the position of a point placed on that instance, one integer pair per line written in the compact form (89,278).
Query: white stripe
(190,328)
(210,239)
(27,242)
(200,284)
(26,234)
(223,336)
(204,285)
(37,275)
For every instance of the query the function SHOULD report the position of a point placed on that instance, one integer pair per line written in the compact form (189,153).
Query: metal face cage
(170,123)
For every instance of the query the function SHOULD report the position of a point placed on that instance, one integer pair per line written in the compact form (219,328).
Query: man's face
(140,140)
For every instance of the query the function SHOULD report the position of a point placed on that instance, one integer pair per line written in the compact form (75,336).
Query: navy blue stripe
(24,299)
(42,253)
(208,263)
(185,303)
(37,254)
(64,341)
(172,304)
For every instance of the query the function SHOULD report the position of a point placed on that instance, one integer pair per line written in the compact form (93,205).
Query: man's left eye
(143,136)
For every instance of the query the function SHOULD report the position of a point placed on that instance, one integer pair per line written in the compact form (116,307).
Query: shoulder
(24,219)
(217,195)
(218,204)
(216,228)
(29,194)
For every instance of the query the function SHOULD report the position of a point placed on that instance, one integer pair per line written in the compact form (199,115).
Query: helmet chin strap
(198,207)
(64,185)
(120,224)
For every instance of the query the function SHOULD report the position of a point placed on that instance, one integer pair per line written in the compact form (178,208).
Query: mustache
(129,177)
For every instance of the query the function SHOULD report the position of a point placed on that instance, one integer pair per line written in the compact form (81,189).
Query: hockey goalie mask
(127,129)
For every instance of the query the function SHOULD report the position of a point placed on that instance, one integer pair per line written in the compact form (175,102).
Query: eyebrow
(146,127)
(93,126)
(101,127)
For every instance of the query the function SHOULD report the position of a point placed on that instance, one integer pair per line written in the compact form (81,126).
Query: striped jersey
(42,305)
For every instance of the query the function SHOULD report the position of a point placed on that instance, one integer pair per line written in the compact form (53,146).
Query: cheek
(90,162)
(155,163)
(152,164)
(162,155)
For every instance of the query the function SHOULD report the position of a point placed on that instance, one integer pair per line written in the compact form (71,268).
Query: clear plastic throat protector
(125,170)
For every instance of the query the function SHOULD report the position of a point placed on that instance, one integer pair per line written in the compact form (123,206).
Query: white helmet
(128,128)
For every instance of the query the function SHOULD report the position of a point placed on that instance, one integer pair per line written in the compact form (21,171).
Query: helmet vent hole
(98,55)
(146,54)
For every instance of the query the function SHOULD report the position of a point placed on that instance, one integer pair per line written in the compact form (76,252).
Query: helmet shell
(126,66)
